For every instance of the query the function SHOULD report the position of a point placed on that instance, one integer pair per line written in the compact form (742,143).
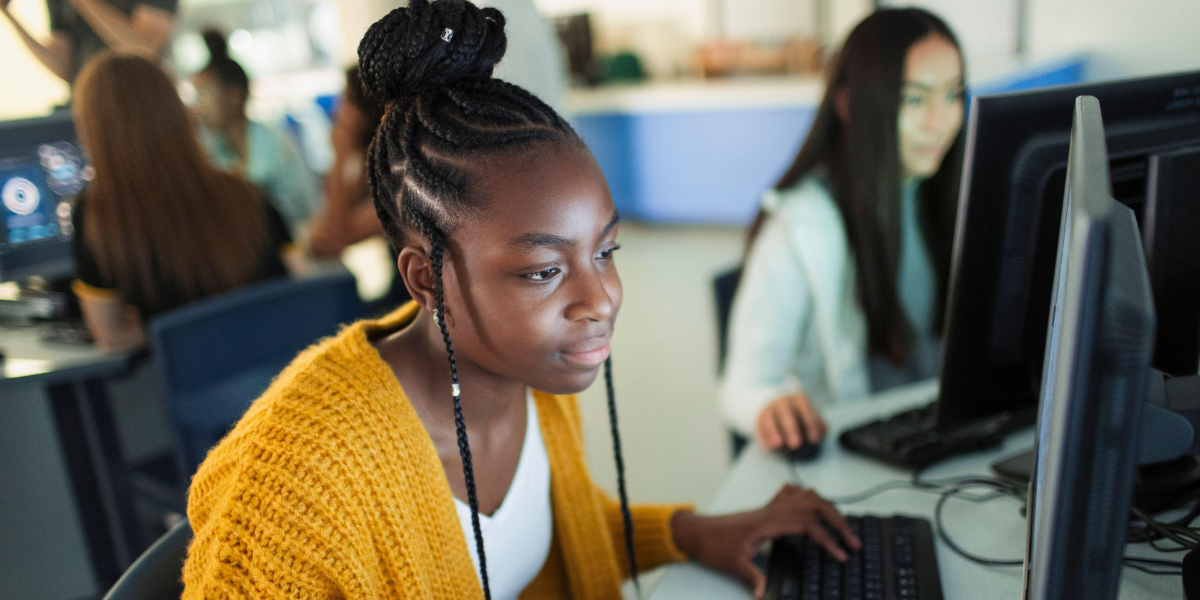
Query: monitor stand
(1169,469)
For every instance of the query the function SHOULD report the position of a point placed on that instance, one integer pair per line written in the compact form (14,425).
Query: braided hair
(432,63)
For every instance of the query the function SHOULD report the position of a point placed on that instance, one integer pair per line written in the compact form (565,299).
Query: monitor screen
(42,170)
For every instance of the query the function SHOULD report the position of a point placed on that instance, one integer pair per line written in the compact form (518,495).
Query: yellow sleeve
(268,524)
(653,543)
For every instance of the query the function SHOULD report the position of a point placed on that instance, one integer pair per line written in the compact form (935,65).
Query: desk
(73,378)
(994,529)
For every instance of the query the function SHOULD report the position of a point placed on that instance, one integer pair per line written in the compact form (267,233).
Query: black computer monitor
(1097,368)
(1006,235)
(42,169)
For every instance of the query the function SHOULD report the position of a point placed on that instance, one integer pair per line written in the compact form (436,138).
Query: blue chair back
(218,355)
(725,286)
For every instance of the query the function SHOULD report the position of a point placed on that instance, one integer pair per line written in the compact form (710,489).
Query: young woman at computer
(158,226)
(437,452)
(847,262)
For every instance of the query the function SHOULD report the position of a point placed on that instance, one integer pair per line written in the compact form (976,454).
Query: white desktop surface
(994,529)
(28,358)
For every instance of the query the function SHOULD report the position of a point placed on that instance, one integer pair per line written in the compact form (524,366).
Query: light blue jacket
(274,164)
(796,323)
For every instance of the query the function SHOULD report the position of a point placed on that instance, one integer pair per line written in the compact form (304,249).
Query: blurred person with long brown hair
(847,265)
(158,226)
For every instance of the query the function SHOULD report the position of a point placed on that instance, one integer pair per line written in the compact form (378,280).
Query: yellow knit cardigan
(330,487)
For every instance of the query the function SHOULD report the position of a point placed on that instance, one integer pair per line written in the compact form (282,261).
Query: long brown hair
(157,212)
(862,160)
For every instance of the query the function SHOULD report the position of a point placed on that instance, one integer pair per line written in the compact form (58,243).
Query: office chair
(725,286)
(218,355)
(157,573)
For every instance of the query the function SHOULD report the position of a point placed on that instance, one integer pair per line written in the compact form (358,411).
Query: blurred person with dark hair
(349,215)
(847,264)
(158,227)
(81,28)
(248,148)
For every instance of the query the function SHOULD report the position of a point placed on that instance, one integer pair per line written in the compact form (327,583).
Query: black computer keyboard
(66,332)
(912,439)
(897,562)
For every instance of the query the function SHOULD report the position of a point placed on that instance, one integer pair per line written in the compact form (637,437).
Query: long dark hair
(861,158)
(432,64)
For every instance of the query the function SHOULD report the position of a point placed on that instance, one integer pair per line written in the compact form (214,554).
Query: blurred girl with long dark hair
(848,260)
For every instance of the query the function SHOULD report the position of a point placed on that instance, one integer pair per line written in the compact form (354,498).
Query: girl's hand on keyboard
(728,543)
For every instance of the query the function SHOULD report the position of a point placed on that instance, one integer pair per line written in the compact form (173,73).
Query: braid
(460,426)
(626,516)
(431,63)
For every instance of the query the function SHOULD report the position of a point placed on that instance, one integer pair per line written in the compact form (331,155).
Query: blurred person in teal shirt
(247,148)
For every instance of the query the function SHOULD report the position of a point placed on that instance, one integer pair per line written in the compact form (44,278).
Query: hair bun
(218,47)
(429,45)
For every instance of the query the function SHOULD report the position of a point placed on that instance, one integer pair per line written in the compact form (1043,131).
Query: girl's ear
(417,271)
(841,104)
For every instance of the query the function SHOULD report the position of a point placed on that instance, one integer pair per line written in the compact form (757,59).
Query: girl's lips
(590,358)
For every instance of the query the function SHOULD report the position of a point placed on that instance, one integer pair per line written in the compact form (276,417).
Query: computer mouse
(806,451)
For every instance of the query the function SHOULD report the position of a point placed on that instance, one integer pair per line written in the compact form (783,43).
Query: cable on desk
(1180,532)
(1005,489)
(1145,565)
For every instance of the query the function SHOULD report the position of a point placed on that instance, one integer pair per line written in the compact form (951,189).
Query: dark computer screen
(1009,215)
(1099,346)
(42,169)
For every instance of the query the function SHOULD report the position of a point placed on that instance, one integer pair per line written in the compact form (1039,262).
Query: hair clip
(447,35)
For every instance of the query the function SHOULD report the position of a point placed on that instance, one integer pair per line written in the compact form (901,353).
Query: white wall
(28,89)
(357,16)
(1126,37)
(986,29)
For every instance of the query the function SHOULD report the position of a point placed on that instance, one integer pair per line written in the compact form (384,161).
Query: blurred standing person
(81,28)
(248,148)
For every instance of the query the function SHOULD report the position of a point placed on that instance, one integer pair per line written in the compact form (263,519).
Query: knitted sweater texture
(330,487)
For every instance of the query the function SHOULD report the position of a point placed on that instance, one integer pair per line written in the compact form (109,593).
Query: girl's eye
(544,275)
(606,254)
(913,100)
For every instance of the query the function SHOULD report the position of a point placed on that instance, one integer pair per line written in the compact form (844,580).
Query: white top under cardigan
(796,323)
(516,538)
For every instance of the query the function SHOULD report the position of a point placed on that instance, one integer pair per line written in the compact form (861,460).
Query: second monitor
(1002,268)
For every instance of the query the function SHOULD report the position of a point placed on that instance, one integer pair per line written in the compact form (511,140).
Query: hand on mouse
(779,427)
(728,543)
